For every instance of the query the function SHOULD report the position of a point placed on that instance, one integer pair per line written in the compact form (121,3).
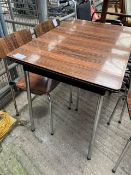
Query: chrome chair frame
(11,86)
(121,98)
(126,103)
(27,80)
(122,155)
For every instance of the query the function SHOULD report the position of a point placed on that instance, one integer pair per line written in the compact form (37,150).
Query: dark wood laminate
(38,83)
(80,52)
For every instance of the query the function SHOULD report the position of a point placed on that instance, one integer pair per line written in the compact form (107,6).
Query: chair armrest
(111,21)
(114,14)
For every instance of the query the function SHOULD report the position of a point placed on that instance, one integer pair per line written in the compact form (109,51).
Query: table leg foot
(108,123)
(33,130)
(88,158)
(113,171)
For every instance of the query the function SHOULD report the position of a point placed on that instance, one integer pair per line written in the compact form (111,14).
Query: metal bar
(119,14)
(43,10)
(70,98)
(123,110)
(21,23)
(4,89)
(118,101)
(11,14)
(27,80)
(49,83)
(11,87)
(3,71)
(1,31)
(77,99)
(97,116)
(3,25)
(75,8)
(68,16)
(122,155)
(1,147)
(50,115)
(26,9)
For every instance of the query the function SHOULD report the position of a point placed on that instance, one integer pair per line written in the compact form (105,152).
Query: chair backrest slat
(6,46)
(13,41)
(44,27)
(21,37)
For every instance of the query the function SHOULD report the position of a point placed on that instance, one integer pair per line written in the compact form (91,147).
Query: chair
(6,46)
(123,98)
(128,101)
(121,16)
(39,85)
(46,26)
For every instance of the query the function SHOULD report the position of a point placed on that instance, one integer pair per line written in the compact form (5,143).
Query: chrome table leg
(77,100)
(27,80)
(50,116)
(123,109)
(97,116)
(14,100)
(122,155)
(70,98)
(0,147)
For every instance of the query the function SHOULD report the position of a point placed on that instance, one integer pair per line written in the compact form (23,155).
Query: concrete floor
(39,153)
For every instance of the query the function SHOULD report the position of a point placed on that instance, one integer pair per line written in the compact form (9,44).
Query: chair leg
(14,100)
(0,147)
(111,117)
(11,86)
(122,155)
(123,109)
(50,116)
(70,98)
(77,100)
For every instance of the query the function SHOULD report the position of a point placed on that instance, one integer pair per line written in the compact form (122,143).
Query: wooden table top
(92,53)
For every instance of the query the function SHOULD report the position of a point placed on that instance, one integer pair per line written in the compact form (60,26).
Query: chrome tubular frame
(97,116)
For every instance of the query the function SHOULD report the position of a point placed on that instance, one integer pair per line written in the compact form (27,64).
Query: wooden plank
(104,10)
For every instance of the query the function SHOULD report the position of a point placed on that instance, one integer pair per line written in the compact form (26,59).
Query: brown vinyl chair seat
(38,84)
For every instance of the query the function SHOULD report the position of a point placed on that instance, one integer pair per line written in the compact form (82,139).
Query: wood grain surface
(93,53)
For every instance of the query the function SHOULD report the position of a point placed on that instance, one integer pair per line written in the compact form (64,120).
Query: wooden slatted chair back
(21,37)
(44,27)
